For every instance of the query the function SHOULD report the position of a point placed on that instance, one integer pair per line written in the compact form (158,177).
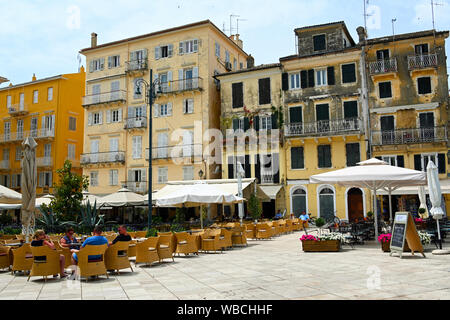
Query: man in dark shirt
(123,235)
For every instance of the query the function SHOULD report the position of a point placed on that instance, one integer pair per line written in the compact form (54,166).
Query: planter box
(386,247)
(321,246)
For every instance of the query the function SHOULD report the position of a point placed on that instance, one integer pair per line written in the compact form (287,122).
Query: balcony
(103,157)
(4,165)
(323,127)
(19,109)
(383,66)
(136,65)
(44,162)
(19,136)
(106,97)
(175,152)
(136,186)
(409,136)
(181,85)
(135,123)
(267,178)
(422,61)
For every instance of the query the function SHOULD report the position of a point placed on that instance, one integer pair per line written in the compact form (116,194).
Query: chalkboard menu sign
(404,230)
(398,235)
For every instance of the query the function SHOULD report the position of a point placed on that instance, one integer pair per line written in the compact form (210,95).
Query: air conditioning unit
(228,66)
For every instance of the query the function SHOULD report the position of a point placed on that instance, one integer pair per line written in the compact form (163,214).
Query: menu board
(398,235)
(404,230)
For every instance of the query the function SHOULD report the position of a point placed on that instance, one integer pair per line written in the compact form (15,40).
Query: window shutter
(190,105)
(120,115)
(157,53)
(155,110)
(181,48)
(50,179)
(169,109)
(144,175)
(144,53)
(246,124)
(304,79)
(237,95)
(235,124)
(109,62)
(258,168)
(275,120)
(91,66)
(350,109)
(276,167)
(90,119)
(418,162)
(180,79)
(330,75)
(401,161)
(157,82)
(102,63)
(41,179)
(195,77)
(170,50)
(108,116)
(195,45)
(230,168)
(100,117)
(311,78)
(285,81)
(264,91)
(133,56)
(295,115)
(441,163)
(348,73)
(353,154)
(256,123)
(131,112)
(130,176)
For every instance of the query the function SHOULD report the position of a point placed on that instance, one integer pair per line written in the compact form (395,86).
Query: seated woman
(41,239)
(68,240)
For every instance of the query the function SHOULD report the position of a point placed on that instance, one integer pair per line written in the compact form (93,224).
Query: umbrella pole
(439,234)
(201,217)
(375,212)
(390,205)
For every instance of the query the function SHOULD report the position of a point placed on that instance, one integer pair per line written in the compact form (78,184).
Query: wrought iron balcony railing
(4,165)
(323,127)
(135,123)
(103,157)
(106,97)
(383,66)
(422,61)
(136,65)
(44,161)
(20,135)
(181,85)
(175,152)
(18,109)
(136,186)
(409,136)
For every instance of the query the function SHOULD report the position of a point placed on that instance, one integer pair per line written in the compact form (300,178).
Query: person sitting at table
(41,239)
(278,215)
(69,239)
(304,217)
(96,240)
(123,235)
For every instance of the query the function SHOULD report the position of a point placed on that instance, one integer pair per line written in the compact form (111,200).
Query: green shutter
(295,115)
(304,79)
(418,162)
(401,161)
(441,163)
(350,109)
(348,73)
(311,78)
(322,112)
(330,75)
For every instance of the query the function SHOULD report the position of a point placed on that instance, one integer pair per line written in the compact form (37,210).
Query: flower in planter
(425,238)
(418,220)
(385,237)
(333,236)
(309,238)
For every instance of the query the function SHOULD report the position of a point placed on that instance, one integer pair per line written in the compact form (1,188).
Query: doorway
(355,205)
(268,209)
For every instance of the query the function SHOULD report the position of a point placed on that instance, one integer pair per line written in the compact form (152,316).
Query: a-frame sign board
(405,230)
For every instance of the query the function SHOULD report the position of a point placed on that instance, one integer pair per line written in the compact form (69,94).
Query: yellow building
(325,122)
(408,102)
(184,60)
(251,102)
(49,110)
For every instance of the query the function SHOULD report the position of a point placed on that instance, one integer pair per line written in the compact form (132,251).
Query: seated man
(68,240)
(123,235)
(278,215)
(304,217)
(95,240)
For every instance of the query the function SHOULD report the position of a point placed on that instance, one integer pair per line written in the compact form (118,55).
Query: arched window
(326,203)
(299,202)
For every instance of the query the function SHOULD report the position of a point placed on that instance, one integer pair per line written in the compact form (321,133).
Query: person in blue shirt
(96,240)
(278,215)
(304,216)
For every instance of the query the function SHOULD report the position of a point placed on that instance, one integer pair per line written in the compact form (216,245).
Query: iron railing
(136,186)
(383,66)
(106,97)
(4,164)
(135,123)
(20,135)
(422,61)
(136,65)
(18,109)
(323,127)
(44,161)
(103,157)
(180,85)
(409,136)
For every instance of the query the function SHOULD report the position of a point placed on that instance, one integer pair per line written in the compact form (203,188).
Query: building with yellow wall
(184,60)
(50,111)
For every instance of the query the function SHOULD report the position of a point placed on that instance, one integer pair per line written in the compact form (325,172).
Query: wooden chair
(147,251)
(116,256)
(45,267)
(166,246)
(211,240)
(186,243)
(297,226)
(22,258)
(65,252)
(263,231)
(238,236)
(225,239)
(250,231)
(141,234)
(11,241)
(5,261)
(92,267)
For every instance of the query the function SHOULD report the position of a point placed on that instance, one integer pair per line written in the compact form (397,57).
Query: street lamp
(150,95)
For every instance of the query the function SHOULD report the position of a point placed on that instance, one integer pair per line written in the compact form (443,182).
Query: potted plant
(385,240)
(320,222)
(254,207)
(422,212)
(425,238)
(370,215)
(328,243)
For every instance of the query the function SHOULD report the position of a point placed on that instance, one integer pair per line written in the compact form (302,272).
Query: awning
(7,206)
(271,191)
(445,188)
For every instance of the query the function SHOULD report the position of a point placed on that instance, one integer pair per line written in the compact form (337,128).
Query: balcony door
(113,148)
(296,120)
(383,59)
(387,129)
(94,150)
(323,117)
(426,122)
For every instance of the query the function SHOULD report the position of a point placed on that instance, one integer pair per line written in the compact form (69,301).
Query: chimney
(361,33)
(239,42)
(250,62)
(93,39)
(34,77)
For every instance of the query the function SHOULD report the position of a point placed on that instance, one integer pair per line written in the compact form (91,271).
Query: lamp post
(150,95)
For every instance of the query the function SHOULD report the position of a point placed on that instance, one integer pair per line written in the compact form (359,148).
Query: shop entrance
(355,205)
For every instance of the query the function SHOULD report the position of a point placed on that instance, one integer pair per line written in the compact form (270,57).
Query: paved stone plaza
(266,269)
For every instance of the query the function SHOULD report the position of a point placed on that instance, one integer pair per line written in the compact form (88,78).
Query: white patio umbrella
(434,188)
(373,174)
(9,196)
(87,197)
(422,198)
(44,200)
(121,198)
(28,184)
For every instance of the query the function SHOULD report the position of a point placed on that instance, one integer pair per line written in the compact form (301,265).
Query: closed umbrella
(28,185)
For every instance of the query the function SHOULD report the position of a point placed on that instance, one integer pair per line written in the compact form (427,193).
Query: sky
(44,36)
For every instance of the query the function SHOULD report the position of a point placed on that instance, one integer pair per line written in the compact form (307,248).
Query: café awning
(412,190)
(270,192)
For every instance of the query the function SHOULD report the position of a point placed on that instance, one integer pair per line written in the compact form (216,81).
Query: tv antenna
(365,16)
(237,24)
(433,4)
(393,32)
(231,28)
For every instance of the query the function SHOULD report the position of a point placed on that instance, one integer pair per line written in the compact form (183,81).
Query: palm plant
(90,217)
(50,221)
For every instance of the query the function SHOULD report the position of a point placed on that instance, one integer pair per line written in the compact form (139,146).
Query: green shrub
(152,232)
(176,227)
(11,231)
(254,207)
(5,219)
(320,222)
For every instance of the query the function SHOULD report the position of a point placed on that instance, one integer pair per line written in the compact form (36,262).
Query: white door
(94,150)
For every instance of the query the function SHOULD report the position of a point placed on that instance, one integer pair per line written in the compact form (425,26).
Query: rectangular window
(188,106)
(162,175)
(424,85)
(6,154)
(35,96)
(21,101)
(295,115)
(72,123)
(348,73)
(227,56)
(163,110)
(188,173)
(294,81)
(383,54)
(7,130)
(113,177)
(350,109)
(8,101)
(94,179)
(20,129)
(353,155)
(50,94)
(18,153)
(238,95)
(114,61)
(297,160)
(421,49)
(266,123)
(319,42)
(115,116)
(385,90)
(324,156)
(264,91)
(137,147)
(391,160)
(96,118)
(189,46)
(97,65)
(321,77)
(71,151)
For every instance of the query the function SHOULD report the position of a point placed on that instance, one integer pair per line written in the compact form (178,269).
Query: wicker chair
(283,226)
(166,246)
(92,267)
(45,267)
(116,256)
(289,225)
(132,248)
(238,236)
(296,224)
(225,239)
(211,240)
(186,243)
(275,227)
(11,241)
(65,252)
(132,234)
(263,231)
(250,231)
(141,234)
(147,251)
(5,261)
(22,258)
